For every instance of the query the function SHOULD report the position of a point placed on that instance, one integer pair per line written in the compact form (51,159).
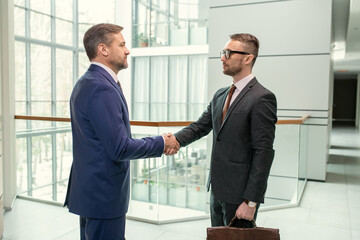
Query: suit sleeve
(263,120)
(196,130)
(106,115)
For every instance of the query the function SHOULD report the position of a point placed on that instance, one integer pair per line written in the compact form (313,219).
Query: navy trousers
(104,229)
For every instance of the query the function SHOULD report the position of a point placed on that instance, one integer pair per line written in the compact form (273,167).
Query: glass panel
(159,88)
(45,193)
(141,37)
(41,6)
(92,12)
(84,64)
(198,32)
(64,75)
(21,108)
(177,111)
(179,33)
(177,195)
(196,197)
(83,27)
(40,26)
(62,110)
(140,180)
(63,9)
(158,111)
(19,3)
(178,87)
(175,23)
(140,106)
(20,71)
(141,30)
(197,80)
(40,72)
(40,109)
(176,183)
(42,167)
(283,179)
(64,161)
(159,26)
(302,171)
(21,163)
(41,159)
(159,35)
(19,21)
(140,111)
(64,32)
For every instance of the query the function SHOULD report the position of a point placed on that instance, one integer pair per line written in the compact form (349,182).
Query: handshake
(172,146)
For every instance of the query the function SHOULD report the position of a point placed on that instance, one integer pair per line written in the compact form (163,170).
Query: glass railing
(288,173)
(164,189)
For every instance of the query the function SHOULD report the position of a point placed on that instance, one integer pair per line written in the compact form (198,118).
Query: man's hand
(171,144)
(245,212)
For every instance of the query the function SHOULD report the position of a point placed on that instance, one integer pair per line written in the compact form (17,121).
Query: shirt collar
(109,70)
(243,82)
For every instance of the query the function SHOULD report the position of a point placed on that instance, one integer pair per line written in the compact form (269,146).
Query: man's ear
(249,59)
(103,49)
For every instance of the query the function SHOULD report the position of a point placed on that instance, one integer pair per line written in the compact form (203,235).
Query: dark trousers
(102,229)
(221,213)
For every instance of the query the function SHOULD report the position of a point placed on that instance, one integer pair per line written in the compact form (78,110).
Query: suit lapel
(243,92)
(218,108)
(111,81)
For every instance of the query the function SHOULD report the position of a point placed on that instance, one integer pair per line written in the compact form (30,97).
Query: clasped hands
(172,146)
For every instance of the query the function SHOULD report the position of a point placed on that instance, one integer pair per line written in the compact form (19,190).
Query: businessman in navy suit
(242,118)
(98,189)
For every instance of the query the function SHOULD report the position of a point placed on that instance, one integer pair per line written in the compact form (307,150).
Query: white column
(357,118)
(7,77)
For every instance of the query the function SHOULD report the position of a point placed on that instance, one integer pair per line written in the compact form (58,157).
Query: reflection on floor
(154,213)
(329,210)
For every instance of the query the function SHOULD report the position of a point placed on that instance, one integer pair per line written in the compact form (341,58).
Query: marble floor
(329,210)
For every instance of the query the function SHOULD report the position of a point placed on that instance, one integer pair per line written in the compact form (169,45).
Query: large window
(170,86)
(49,58)
(169,22)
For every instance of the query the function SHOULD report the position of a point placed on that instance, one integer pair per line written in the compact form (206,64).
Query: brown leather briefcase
(233,233)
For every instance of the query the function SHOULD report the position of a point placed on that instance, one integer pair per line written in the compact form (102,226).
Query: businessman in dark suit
(243,119)
(98,189)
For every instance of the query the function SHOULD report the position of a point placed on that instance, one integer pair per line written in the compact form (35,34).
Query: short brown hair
(250,41)
(97,34)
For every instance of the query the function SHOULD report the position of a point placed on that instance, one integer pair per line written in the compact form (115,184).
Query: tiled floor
(329,210)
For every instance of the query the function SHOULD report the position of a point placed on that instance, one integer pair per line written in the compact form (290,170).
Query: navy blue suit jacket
(102,147)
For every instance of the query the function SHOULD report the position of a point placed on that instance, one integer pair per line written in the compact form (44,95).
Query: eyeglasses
(227,53)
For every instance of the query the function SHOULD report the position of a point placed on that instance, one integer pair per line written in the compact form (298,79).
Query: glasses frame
(227,53)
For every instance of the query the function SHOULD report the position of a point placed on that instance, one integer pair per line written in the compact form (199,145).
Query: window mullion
(53,99)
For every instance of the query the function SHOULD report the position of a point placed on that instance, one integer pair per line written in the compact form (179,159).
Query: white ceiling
(346,37)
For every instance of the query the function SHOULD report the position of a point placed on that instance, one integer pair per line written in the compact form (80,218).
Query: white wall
(293,62)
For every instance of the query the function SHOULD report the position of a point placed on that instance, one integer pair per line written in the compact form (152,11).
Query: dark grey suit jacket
(242,151)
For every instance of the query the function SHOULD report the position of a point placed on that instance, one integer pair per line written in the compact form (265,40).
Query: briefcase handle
(235,219)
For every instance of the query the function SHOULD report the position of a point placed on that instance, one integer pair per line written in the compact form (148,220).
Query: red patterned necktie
(227,104)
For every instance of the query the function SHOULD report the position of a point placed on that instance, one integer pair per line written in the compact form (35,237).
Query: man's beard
(232,72)
(119,65)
